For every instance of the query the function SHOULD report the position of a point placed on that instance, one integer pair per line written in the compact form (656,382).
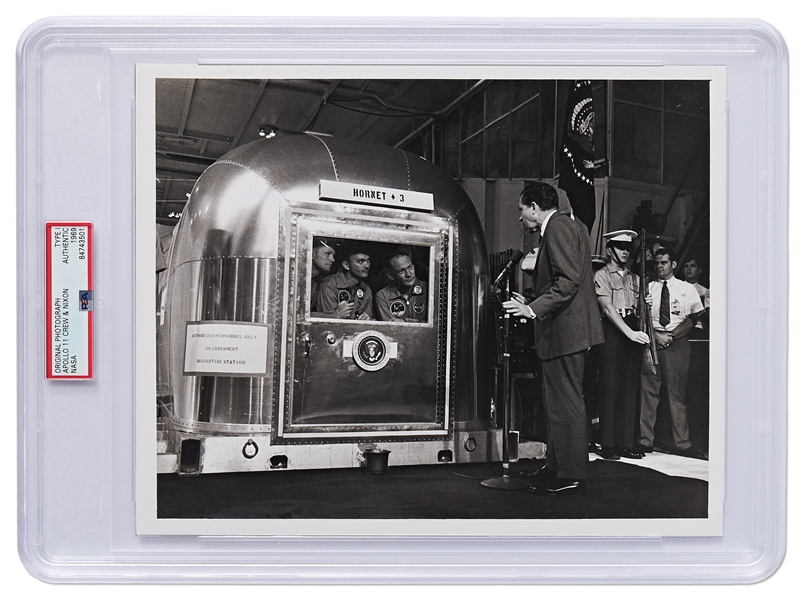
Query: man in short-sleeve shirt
(675,307)
(692,271)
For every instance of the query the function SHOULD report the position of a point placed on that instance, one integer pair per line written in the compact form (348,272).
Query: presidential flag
(577,154)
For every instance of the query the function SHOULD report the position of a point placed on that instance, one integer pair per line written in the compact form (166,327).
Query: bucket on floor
(376,460)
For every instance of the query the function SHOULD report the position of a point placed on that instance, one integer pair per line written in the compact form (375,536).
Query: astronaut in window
(405,299)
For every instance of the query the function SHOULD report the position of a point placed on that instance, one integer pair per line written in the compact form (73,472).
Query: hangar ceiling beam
(185,111)
(309,118)
(249,113)
(401,90)
(453,105)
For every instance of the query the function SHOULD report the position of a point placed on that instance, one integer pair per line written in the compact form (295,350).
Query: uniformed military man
(345,294)
(404,300)
(617,291)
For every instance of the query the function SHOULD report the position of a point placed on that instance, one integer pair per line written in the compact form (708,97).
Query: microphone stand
(505,482)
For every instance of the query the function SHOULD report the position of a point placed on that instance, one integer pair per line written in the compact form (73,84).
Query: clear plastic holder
(79,467)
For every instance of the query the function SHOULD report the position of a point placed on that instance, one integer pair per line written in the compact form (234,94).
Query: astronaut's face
(359,265)
(403,271)
(323,258)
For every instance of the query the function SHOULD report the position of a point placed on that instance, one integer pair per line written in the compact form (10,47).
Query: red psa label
(69,305)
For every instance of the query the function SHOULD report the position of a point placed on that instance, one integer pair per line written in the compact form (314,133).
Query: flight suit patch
(397,308)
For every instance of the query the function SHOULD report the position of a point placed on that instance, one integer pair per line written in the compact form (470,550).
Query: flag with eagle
(577,154)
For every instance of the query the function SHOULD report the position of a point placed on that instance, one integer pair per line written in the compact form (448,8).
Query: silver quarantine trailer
(259,379)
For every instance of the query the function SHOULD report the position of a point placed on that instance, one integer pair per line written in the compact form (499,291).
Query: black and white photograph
(431,301)
(454,296)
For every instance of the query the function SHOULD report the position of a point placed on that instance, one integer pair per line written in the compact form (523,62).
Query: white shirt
(683,301)
(528,262)
(704,295)
(546,220)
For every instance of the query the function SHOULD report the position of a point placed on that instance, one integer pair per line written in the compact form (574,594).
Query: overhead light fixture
(267,131)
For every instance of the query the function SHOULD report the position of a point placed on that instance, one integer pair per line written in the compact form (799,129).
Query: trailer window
(369,280)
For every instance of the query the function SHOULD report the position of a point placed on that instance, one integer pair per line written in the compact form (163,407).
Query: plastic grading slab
(132,132)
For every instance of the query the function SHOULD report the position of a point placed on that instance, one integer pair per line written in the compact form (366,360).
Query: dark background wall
(651,141)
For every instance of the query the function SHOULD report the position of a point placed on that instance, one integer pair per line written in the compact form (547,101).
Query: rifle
(645,315)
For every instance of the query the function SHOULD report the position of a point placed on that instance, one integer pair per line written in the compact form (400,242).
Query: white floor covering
(671,465)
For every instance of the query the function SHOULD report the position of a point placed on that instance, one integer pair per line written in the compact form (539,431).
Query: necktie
(663,318)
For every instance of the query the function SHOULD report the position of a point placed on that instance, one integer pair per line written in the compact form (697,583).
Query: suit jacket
(567,318)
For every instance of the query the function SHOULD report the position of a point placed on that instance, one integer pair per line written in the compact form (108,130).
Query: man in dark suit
(567,324)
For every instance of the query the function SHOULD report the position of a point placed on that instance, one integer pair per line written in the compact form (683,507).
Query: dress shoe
(607,453)
(644,448)
(559,486)
(631,454)
(539,474)
(665,448)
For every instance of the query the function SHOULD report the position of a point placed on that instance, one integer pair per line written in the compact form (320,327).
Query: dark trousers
(619,377)
(567,440)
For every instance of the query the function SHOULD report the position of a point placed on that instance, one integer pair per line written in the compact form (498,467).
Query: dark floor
(614,490)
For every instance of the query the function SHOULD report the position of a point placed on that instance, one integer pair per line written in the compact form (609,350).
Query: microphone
(514,259)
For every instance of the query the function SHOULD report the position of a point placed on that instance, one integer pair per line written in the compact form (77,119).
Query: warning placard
(226,349)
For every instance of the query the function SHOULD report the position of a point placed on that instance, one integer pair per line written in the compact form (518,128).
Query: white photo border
(147,522)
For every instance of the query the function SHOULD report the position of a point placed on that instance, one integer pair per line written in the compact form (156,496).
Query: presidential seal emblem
(370,350)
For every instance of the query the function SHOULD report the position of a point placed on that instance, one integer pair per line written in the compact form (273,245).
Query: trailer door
(386,377)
